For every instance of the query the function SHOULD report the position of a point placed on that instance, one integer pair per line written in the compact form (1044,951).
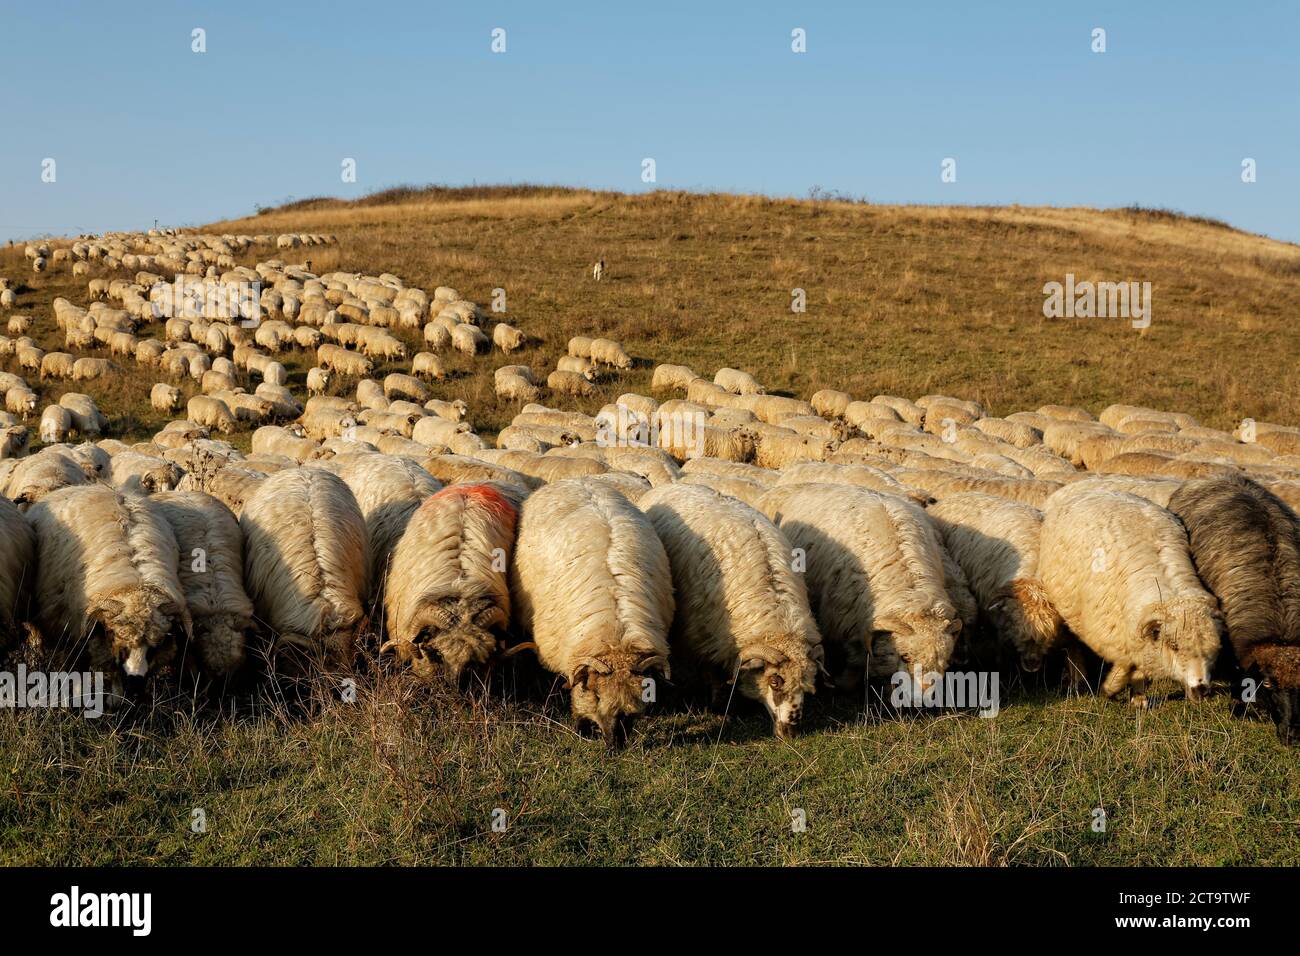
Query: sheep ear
(108,608)
(752,664)
(1151,630)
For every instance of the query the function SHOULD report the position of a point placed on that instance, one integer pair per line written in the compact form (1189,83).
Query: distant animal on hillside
(598,270)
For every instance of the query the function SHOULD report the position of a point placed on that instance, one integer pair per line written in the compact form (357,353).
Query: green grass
(406,775)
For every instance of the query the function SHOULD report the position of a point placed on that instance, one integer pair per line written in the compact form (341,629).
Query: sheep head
(608,691)
(1182,636)
(140,628)
(1023,612)
(1276,669)
(450,638)
(918,643)
(778,673)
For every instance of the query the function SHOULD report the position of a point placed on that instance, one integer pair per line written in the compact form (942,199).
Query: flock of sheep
(739,541)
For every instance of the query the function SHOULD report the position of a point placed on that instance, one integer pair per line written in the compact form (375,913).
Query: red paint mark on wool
(484,495)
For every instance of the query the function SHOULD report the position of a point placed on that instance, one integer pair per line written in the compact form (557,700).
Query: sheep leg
(1137,690)
(1116,680)
(1075,669)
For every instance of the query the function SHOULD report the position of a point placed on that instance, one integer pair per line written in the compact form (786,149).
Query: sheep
(428,365)
(305,563)
(142,474)
(742,612)
(454,469)
(875,577)
(828,402)
(907,410)
(86,417)
(211,413)
(1119,571)
(21,402)
(29,357)
(1156,490)
(107,593)
(580,346)
(512,384)
(387,489)
(996,544)
(17,564)
(737,382)
(507,338)
(569,383)
(455,410)
(398,386)
(609,352)
(318,380)
(14,441)
(773,408)
(211,574)
(582,366)
(437,336)
(449,598)
(1245,544)
(230,485)
(687,440)
(344,362)
(864,476)
(670,378)
(469,339)
(590,582)
(283,404)
(779,447)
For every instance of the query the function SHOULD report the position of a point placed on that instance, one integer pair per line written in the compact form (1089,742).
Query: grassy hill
(906,300)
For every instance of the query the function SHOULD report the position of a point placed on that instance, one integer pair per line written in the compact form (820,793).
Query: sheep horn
(512,651)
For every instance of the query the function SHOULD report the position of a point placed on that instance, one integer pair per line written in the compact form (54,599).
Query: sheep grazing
(995,542)
(448,599)
(86,417)
(43,474)
(17,561)
(107,593)
(1246,547)
(515,383)
(211,413)
(669,377)
(387,488)
(507,338)
(569,383)
(142,474)
(1119,571)
(469,339)
(408,387)
(737,382)
(875,576)
(591,583)
(742,613)
(86,369)
(305,558)
(428,365)
(211,577)
(609,352)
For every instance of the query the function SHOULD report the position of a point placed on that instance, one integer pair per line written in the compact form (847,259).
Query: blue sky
(141,127)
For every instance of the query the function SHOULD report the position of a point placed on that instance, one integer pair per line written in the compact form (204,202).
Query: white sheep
(107,593)
(1118,569)
(742,612)
(996,544)
(211,577)
(875,575)
(448,599)
(305,563)
(591,583)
